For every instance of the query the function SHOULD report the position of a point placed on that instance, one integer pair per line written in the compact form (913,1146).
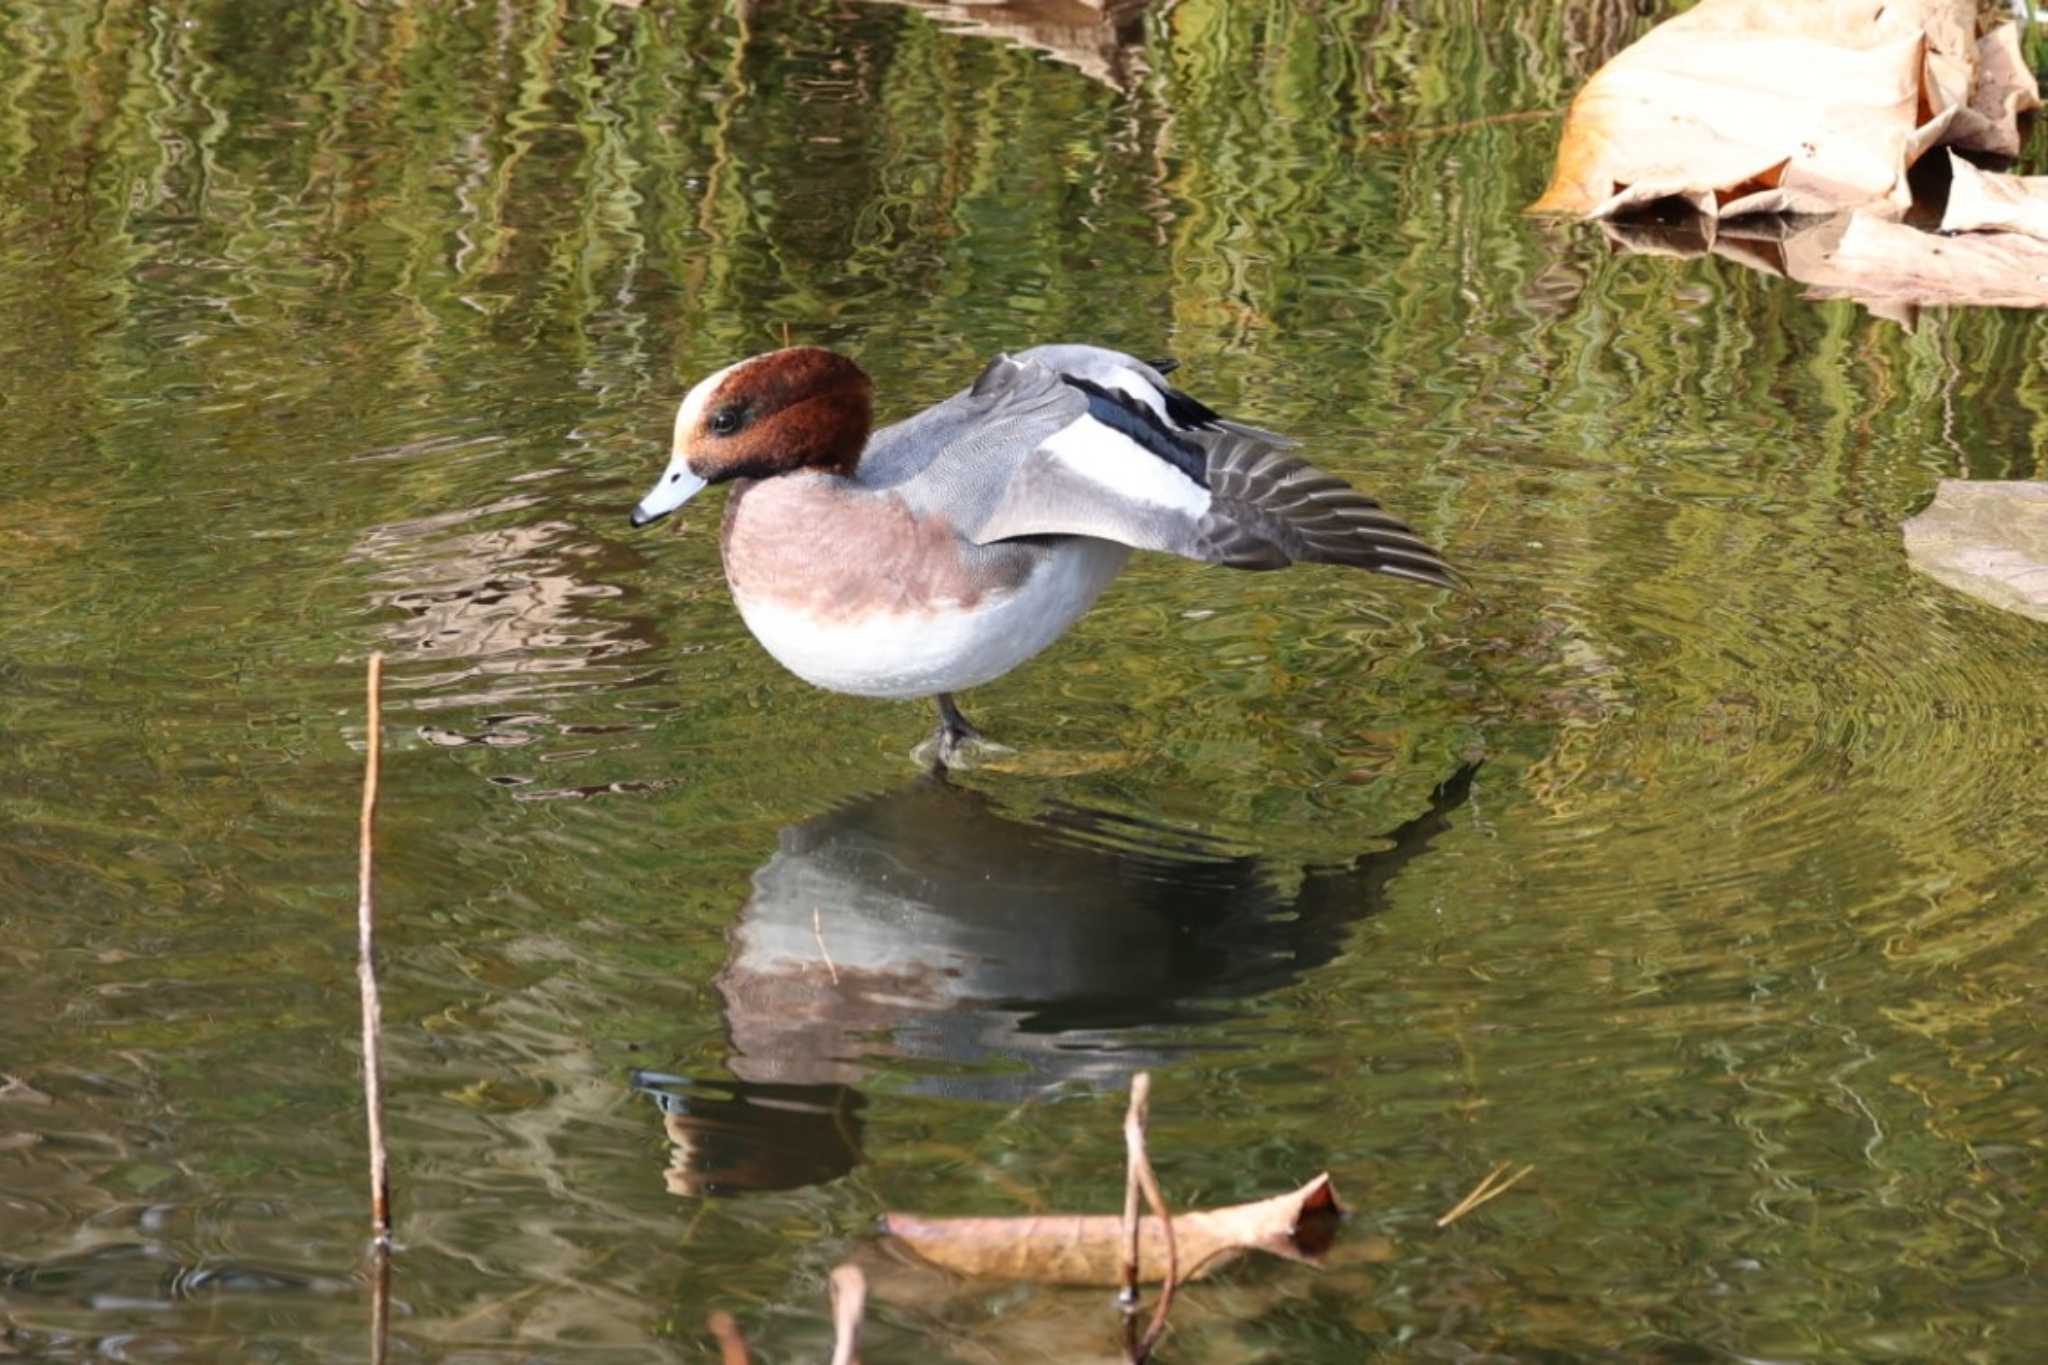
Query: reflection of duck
(925,925)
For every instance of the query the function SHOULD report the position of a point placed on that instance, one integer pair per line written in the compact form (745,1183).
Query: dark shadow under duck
(989,957)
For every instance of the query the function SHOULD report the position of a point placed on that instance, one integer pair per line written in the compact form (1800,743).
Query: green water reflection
(344,326)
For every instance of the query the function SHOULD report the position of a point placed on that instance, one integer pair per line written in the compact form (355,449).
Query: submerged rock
(1989,540)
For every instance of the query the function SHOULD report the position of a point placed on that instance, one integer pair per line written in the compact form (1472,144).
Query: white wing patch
(1122,468)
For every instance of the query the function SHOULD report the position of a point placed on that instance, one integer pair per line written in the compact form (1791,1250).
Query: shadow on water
(1008,955)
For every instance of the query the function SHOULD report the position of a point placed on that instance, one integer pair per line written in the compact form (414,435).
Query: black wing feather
(1125,415)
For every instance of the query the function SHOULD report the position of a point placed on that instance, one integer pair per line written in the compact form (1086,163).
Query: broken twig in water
(1105,1250)
(1138,1175)
(1127,1274)
(366,968)
(732,1347)
(849,1301)
(818,932)
(380,1301)
(1483,1191)
(366,978)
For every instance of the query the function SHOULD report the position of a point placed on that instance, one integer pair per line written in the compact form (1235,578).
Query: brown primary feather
(1270,508)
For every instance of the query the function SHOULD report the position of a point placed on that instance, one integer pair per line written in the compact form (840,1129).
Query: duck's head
(776,413)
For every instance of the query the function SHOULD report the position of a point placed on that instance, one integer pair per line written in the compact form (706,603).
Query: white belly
(948,648)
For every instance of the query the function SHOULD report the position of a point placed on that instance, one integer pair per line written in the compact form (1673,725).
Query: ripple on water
(1784,742)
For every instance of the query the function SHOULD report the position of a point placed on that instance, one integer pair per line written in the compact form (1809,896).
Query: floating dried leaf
(1982,201)
(1889,268)
(1755,106)
(1087,1249)
(1874,260)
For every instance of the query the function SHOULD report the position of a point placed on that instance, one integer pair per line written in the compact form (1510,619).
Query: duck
(943,551)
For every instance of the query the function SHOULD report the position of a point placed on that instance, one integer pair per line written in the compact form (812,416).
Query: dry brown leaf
(1874,261)
(1889,268)
(1087,1249)
(1981,201)
(2005,89)
(1758,106)
(1989,540)
(978,1322)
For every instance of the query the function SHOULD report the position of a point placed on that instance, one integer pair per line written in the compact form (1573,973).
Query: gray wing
(1084,441)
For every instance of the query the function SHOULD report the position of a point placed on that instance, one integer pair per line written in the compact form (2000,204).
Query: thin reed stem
(366,966)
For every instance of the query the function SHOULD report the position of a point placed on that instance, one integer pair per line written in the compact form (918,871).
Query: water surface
(341,327)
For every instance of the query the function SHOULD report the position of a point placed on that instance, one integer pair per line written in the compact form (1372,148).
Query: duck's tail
(1270,508)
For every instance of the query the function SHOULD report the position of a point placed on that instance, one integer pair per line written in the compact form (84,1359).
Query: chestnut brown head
(778,413)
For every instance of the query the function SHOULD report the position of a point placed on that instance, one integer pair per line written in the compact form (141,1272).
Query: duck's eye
(727,420)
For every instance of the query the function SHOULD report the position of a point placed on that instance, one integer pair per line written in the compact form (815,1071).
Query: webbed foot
(954,742)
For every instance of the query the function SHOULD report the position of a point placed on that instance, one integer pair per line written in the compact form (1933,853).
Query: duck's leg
(954,734)
(954,742)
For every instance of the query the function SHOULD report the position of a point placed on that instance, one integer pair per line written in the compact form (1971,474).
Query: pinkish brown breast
(816,544)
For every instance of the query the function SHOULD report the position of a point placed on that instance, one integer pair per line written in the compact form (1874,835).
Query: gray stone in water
(1989,540)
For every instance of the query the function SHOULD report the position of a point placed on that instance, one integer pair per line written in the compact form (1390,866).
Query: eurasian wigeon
(939,553)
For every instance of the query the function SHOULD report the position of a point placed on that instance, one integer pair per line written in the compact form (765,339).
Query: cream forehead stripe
(692,410)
